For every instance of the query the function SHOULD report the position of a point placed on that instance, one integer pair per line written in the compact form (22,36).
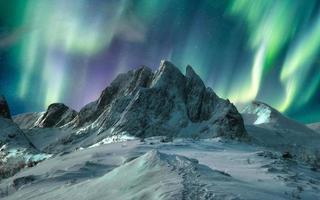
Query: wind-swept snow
(182,169)
(268,127)
(315,126)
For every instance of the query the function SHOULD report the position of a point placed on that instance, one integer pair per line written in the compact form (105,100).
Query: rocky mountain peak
(166,102)
(4,108)
(259,113)
(143,103)
(167,76)
(56,115)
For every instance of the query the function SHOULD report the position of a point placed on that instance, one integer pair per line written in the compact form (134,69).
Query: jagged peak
(168,67)
(192,76)
(190,71)
(264,113)
(56,115)
(168,74)
(58,106)
(256,106)
(143,68)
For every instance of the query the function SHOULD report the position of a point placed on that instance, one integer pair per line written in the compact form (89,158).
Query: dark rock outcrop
(56,115)
(4,108)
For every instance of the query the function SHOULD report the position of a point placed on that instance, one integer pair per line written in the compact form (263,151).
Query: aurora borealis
(68,51)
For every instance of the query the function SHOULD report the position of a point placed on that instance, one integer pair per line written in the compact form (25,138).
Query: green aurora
(68,51)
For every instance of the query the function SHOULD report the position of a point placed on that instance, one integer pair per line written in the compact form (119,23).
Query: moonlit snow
(158,135)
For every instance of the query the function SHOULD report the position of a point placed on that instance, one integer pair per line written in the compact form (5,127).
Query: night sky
(69,50)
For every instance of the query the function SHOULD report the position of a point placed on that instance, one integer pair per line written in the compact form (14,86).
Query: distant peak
(57,106)
(168,66)
(190,70)
(57,114)
(143,68)
(168,74)
(264,113)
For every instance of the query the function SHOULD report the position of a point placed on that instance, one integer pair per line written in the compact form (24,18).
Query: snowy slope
(202,149)
(315,127)
(28,120)
(263,115)
(16,150)
(182,169)
(268,127)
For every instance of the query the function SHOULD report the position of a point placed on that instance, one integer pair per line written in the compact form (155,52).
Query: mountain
(263,115)
(28,120)
(268,127)
(16,150)
(56,115)
(158,135)
(143,103)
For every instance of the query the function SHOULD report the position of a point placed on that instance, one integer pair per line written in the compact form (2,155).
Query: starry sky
(68,51)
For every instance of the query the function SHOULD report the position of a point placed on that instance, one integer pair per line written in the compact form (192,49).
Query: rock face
(56,115)
(28,120)
(142,103)
(16,150)
(4,108)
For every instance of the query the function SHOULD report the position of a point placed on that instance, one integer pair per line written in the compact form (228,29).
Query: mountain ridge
(143,103)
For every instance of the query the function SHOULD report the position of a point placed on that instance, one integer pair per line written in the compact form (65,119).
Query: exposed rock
(142,103)
(196,93)
(21,181)
(287,155)
(57,115)
(4,108)
(114,95)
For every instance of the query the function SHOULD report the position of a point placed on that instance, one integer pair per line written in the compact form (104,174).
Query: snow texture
(158,135)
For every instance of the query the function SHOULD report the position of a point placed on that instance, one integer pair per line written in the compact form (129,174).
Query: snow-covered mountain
(56,115)
(268,127)
(263,115)
(16,150)
(159,135)
(142,103)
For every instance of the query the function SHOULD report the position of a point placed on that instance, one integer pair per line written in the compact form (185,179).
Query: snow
(261,114)
(315,126)
(113,139)
(182,169)
(28,120)
(280,133)
(201,148)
